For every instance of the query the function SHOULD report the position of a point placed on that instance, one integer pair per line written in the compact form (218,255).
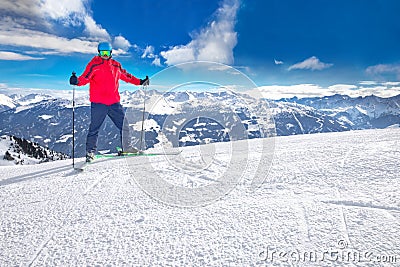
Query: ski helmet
(104,46)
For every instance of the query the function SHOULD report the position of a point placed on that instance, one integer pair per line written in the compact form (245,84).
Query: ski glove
(73,80)
(145,81)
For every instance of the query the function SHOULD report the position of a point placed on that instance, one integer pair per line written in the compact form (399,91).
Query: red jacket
(103,76)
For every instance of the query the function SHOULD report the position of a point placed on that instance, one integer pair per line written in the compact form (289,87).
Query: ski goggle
(105,53)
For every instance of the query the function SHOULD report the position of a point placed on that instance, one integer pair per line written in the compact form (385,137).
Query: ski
(141,154)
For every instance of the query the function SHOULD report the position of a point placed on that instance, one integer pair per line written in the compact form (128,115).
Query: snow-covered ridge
(6,102)
(18,151)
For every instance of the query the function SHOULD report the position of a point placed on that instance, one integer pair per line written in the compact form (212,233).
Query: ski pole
(144,110)
(73,124)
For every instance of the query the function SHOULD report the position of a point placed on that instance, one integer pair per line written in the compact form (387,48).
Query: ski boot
(89,156)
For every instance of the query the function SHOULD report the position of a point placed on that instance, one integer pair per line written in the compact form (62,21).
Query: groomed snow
(325,195)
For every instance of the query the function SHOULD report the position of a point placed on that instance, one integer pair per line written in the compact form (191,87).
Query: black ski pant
(98,113)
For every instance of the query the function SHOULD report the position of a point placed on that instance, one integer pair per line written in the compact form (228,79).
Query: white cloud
(313,90)
(69,12)
(74,13)
(384,69)
(278,62)
(178,54)
(43,41)
(281,91)
(156,61)
(31,24)
(5,55)
(312,63)
(121,43)
(43,14)
(213,43)
(391,83)
(148,52)
(368,82)
(95,30)
(24,8)
(339,88)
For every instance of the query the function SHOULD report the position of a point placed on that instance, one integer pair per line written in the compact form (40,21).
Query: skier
(103,73)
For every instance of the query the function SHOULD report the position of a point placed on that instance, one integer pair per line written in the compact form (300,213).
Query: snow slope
(326,195)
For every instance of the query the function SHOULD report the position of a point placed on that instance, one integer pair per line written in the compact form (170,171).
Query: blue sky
(296,47)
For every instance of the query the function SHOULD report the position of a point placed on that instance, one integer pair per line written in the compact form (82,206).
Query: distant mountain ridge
(370,112)
(185,118)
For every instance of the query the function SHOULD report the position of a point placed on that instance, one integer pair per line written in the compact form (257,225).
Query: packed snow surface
(328,200)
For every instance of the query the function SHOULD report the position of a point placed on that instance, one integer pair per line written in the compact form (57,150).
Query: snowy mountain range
(370,112)
(183,118)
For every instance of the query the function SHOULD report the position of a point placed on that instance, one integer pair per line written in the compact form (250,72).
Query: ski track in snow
(323,191)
